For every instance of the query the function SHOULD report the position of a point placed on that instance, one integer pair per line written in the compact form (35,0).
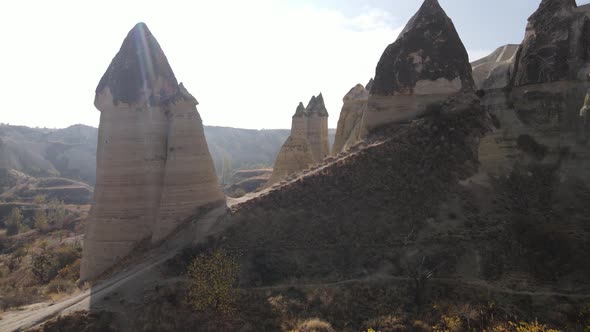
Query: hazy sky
(249,63)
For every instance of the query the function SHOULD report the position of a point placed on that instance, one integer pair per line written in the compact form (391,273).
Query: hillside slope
(71,152)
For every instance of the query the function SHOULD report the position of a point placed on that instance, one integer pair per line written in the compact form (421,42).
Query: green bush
(213,279)
(50,261)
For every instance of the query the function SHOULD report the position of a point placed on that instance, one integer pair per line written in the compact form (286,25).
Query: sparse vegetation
(48,262)
(14,222)
(40,219)
(314,325)
(213,278)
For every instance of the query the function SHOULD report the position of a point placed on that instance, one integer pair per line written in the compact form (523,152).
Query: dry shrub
(387,323)
(213,279)
(314,325)
(57,286)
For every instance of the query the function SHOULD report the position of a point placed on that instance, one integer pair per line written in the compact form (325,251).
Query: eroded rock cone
(154,169)
(426,65)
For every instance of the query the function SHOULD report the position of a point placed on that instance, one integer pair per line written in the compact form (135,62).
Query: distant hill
(41,152)
(71,152)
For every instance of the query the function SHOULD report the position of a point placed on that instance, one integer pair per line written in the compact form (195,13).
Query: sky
(248,63)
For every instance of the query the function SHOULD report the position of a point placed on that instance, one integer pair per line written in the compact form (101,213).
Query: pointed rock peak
(425,14)
(428,49)
(320,98)
(300,111)
(140,72)
(318,106)
(311,103)
(300,107)
(186,95)
(369,85)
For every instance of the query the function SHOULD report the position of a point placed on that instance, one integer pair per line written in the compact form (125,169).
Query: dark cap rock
(556,45)
(300,111)
(429,48)
(140,71)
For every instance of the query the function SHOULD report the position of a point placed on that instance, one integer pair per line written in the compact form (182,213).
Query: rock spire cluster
(308,143)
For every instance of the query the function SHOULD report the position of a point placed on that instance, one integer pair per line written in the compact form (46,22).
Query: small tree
(56,213)
(213,283)
(14,222)
(40,219)
(39,199)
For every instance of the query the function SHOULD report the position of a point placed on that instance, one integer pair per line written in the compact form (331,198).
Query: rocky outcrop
(154,169)
(535,96)
(427,64)
(349,123)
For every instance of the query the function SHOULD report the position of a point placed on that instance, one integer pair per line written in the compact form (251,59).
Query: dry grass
(313,325)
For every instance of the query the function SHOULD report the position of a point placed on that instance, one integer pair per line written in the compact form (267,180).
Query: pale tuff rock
(426,65)
(317,128)
(496,69)
(154,169)
(535,96)
(295,154)
(348,130)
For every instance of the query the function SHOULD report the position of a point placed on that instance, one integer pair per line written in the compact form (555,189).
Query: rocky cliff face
(349,123)
(154,169)
(426,64)
(535,96)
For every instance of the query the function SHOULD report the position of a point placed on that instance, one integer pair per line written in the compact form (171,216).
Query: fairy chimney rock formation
(154,169)
(295,154)
(348,129)
(426,64)
(308,143)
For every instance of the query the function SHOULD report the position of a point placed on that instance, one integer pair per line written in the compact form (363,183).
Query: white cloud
(248,63)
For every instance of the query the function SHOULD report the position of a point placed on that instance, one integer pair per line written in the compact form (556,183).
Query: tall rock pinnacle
(140,71)
(154,169)
(317,128)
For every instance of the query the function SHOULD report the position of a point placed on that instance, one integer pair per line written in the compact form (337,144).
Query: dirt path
(127,284)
